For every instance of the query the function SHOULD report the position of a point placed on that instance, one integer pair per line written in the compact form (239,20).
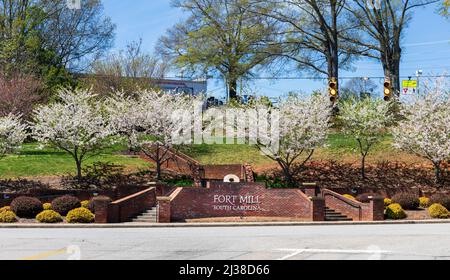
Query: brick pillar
(197,173)
(164,213)
(376,209)
(101,209)
(318,209)
(311,189)
(249,175)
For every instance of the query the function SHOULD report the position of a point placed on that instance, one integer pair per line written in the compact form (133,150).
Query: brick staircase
(149,216)
(334,216)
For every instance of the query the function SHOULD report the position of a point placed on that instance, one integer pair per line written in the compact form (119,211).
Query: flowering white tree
(366,120)
(151,121)
(12,134)
(425,131)
(302,127)
(123,117)
(77,125)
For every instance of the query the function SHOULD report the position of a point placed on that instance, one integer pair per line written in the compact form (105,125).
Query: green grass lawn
(31,161)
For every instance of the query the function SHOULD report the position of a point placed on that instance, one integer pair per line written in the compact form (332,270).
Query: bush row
(395,207)
(72,208)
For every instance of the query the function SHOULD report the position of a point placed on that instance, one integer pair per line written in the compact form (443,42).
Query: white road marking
(295,252)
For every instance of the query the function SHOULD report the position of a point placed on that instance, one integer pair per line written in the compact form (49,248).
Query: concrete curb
(209,225)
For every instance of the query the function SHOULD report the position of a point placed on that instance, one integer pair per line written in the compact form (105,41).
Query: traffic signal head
(387,90)
(333,89)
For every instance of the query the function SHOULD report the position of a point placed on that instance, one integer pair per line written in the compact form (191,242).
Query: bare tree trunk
(158,170)
(391,66)
(79,171)
(437,172)
(158,163)
(232,89)
(333,60)
(363,167)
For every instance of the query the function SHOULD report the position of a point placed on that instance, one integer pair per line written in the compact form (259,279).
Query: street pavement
(337,242)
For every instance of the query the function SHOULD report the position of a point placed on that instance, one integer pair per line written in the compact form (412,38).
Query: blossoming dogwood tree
(303,127)
(77,125)
(366,120)
(151,120)
(12,134)
(425,131)
(123,117)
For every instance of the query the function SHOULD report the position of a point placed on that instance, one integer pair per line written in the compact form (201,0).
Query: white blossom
(75,124)
(303,127)
(150,121)
(12,134)
(366,120)
(425,131)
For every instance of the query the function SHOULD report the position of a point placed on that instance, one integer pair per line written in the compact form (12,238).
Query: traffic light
(387,90)
(333,89)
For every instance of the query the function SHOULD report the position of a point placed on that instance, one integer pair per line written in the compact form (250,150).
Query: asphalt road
(430,241)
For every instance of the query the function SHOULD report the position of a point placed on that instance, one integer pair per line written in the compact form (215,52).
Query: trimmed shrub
(437,211)
(47,206)
(442,199)
(408,201)
(49,217)
(26,207)
(4,209)
(64,204)
(395,212)
(349,196)
(80,216)
(387,202)
(424,202)
(8,217)
(85,204)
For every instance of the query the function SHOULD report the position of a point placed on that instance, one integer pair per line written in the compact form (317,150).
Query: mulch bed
(392,177)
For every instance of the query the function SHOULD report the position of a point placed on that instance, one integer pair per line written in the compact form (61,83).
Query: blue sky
(426,44)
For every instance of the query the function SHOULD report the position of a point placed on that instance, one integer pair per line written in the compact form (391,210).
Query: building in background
(182,86)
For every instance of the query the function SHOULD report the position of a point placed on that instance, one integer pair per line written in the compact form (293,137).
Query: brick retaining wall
(373,211)
(238,200)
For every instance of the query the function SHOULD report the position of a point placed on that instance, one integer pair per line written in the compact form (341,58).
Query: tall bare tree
(221,37)
(384,23)
(312,34)
(36,34)
(126,70)
(74,34)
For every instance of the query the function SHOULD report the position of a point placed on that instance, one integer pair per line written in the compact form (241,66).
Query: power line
(319,78)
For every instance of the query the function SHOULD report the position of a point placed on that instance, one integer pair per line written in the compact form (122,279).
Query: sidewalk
(208,225)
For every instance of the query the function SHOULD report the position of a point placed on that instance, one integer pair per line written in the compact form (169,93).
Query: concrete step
(144,221)
(335,216)
(149,216)
(338,219)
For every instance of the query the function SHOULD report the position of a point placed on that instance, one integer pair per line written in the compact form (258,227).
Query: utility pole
(419,73)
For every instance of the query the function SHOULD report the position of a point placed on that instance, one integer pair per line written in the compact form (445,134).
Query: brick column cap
(163,198)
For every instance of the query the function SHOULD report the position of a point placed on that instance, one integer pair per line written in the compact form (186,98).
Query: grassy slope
(31,161)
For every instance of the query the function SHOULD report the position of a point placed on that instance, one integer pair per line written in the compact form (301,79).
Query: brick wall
(373,211)
(218,172)
(125,209)
(224,200)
